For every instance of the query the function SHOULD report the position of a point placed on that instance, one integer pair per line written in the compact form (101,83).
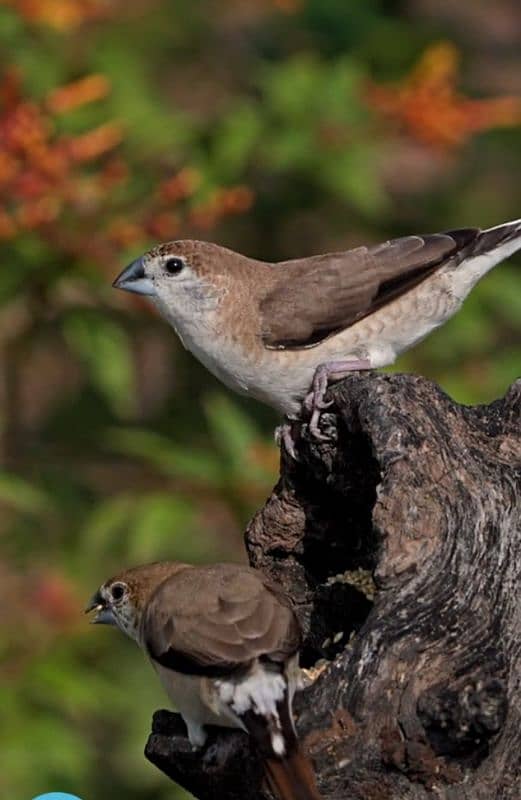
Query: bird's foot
(314,403)
(196,733)
(286,435)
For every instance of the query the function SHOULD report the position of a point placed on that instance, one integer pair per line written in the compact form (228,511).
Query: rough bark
(400,544)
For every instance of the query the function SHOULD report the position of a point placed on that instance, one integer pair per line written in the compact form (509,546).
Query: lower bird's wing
(215,619)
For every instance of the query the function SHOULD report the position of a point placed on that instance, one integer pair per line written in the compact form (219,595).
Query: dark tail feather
(501,234)
(474,242)
(289,772)
(292,777)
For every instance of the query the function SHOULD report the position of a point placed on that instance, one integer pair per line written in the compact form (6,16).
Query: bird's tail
(507,235)
(267,716)
(479,251)
(292,777)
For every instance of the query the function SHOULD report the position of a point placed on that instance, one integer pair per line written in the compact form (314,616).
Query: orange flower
(38,212)
(124,233)
(234,200)
(163,225)
(229,200)
(429,108)
(79,93)
(63,15)
(181,185)
(95,143)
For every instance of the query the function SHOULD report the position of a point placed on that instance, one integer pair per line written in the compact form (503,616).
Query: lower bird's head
(120,600)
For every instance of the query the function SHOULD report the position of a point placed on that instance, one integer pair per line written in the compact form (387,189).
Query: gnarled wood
(400,544)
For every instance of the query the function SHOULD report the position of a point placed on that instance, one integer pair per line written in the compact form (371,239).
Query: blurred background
(280,128)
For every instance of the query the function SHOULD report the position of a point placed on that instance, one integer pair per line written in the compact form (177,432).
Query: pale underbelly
(282,378)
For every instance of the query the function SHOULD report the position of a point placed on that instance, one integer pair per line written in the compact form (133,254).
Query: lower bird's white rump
(261,693)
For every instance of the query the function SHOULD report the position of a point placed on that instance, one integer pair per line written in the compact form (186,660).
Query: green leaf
(105,349)
(233,431)
(353,175)
(164,524)
(171,459)
(108,520)
(22,495)
(235,139)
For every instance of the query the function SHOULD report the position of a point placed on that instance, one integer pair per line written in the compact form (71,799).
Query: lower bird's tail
(292,777)
(266,700)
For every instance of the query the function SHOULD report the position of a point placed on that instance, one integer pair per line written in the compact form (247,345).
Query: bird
(224,641)
(280,332)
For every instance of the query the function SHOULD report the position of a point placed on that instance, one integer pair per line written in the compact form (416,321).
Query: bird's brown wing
(322,295)
(211,620)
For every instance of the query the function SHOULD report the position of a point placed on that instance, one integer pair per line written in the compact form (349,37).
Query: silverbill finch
(280,331)
(224,641)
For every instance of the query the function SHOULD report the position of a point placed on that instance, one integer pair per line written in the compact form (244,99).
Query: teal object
(57,796)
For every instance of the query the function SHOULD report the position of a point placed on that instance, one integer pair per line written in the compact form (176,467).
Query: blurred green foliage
(252,123)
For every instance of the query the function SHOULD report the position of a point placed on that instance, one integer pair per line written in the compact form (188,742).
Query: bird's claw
(314,402)
(314,427)
(285,437)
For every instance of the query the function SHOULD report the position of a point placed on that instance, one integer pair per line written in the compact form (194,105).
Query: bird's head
(185,278)
(121,600)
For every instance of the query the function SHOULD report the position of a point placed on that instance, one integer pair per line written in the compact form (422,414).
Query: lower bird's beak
(133,279)
(103,614)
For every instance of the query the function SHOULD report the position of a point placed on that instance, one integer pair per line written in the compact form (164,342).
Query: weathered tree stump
(400,544)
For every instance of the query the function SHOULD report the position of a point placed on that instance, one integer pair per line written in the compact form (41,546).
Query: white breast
(189,696)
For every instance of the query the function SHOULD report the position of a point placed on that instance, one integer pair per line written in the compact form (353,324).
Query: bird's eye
(174,265)
(118,590)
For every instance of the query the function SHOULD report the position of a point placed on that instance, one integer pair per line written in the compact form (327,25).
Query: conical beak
(103,615)
(133,279)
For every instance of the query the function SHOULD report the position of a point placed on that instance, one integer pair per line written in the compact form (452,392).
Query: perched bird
(280,332)
(224,641)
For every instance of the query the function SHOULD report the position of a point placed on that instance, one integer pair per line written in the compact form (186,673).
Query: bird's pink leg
(284,435)
(314,402)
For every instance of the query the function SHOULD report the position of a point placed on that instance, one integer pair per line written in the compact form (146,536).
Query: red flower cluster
(47,178)
(40,171)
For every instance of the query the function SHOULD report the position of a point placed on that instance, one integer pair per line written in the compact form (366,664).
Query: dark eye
(118,590)
(174,265)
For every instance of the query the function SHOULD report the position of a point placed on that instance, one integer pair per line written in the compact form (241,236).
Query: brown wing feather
(318,296)
(210,620)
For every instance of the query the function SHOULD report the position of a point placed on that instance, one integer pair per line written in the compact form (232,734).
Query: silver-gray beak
(133,279)
(103,614)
